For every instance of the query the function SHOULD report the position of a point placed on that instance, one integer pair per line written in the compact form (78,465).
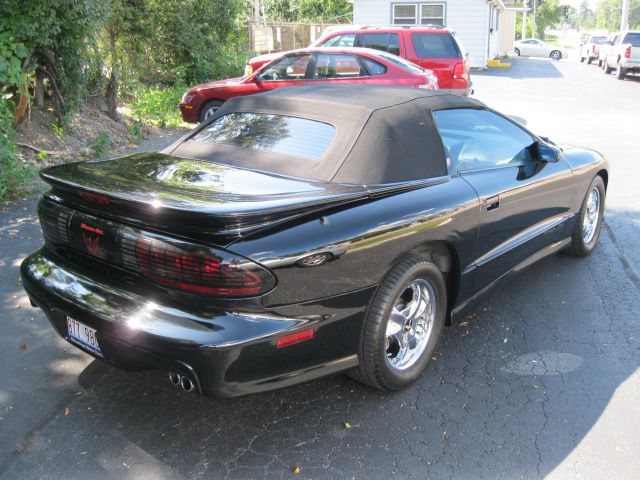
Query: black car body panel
(324,245)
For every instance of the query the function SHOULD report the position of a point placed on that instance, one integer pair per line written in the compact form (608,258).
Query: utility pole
(533,19)
(256,10)
(624,21)
(524,20)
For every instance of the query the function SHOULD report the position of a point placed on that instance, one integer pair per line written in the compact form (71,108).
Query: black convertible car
(305,232)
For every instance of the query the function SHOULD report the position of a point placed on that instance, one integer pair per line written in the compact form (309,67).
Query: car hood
(217,84)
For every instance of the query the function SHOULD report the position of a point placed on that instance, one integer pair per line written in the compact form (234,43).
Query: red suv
(432,47)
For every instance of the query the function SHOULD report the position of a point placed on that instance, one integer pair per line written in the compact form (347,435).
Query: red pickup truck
(430,46)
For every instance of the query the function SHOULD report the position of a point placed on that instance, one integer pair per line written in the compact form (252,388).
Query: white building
(476,22)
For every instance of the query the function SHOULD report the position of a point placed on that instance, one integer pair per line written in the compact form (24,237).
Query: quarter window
(374,67)
(477,139)
(386,42)
(291,67)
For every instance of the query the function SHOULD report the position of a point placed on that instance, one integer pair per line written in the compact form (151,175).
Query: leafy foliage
(158,106)
(307,10)
(100,145)
(608,14)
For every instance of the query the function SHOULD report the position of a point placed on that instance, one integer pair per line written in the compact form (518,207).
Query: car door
(287,71)
(338,68)
(386,42)
(524,202)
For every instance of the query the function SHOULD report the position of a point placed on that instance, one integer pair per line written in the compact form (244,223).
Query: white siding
(467,17)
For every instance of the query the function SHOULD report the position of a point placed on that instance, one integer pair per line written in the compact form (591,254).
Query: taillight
(593,49)
(627,52)
(191,268)
(459,71)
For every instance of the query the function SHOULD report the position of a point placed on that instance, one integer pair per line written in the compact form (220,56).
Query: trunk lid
(173,194)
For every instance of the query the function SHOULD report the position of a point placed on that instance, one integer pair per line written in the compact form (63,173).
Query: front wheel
(586,232)
(402,325)
(556,55)
(516,51)
(620,72)
(209,108)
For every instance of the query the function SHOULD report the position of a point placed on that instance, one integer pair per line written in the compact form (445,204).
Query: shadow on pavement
(524,68)
(511,392)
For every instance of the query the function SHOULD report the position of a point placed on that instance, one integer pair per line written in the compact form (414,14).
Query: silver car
(532,47)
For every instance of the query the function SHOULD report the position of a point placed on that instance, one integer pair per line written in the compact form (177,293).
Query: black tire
(555,55)
(582,60)
(606,68)
(579,247)
(600,63)
(516,51)
(589,60)
(208,108)
(374,369)
(620,72)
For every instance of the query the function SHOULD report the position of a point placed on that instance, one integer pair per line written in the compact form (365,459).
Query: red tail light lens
(593,49)
(459,71)
(190,268)
(627,52)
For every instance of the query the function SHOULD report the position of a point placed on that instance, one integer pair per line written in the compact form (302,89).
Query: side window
(387,42)
(333,65)
(346,40)
(477,139)
(374,67)
(291,67)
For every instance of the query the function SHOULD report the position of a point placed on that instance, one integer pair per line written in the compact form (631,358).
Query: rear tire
(620,72)
(589,60)
(556,55)
(402,325)
(582,60)
(586,232)
(600,63)
(606,68)
(516,51)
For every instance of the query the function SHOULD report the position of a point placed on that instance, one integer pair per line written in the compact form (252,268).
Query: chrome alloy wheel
(410,324)
(209,112)
(591,214)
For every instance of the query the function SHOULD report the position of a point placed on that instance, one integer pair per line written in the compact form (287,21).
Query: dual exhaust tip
(183,381)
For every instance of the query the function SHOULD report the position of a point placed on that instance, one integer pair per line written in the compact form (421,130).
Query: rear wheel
(589,60)
(582,59)
(605,67)
(209,108)
(586,232)
(402,326)
(620,72)
(516,51)
(600,62)
(556,55)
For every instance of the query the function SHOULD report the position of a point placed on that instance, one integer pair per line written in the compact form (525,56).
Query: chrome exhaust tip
(174,377)
(187,384)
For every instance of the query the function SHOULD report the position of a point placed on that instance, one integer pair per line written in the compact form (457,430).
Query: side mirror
(548,153)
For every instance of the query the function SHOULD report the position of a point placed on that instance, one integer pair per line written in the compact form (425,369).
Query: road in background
(542,381)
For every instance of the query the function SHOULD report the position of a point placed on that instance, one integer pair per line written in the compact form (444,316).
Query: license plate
(82,335)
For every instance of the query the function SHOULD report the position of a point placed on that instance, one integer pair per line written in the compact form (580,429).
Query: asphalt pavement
(542,381)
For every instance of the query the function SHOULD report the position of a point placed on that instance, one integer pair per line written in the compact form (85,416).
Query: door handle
(491,203)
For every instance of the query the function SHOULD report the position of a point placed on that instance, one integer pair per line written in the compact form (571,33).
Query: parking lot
(541,381)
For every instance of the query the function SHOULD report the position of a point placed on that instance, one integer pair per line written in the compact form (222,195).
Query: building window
(404,14)
(418,14)
(432,14)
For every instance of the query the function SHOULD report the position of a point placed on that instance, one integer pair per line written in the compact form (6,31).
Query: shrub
(158,106)
(101,144)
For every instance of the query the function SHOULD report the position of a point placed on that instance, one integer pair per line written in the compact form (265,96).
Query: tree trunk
(111,95)
(23,110)
(39,88)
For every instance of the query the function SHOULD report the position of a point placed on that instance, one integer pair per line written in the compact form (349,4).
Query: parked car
(304,232)
(604,48)
(623,55)
(591,48)
(430,46)
(315,66)
(533,47)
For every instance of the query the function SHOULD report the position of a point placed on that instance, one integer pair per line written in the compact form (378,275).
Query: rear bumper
(225,353)
(465,92)
(630,64)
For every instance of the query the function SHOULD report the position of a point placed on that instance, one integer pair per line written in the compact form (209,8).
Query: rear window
(346,40)
(598,40)
(386,42)
(435,45)
(633,39)
(295,136)
(402,63)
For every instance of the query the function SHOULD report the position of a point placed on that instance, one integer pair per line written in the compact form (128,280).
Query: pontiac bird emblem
(92,243)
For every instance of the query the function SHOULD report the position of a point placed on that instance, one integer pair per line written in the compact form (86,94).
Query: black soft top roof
(383,134)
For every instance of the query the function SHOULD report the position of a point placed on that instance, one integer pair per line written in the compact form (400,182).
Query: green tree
(548,15)
(608,13)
